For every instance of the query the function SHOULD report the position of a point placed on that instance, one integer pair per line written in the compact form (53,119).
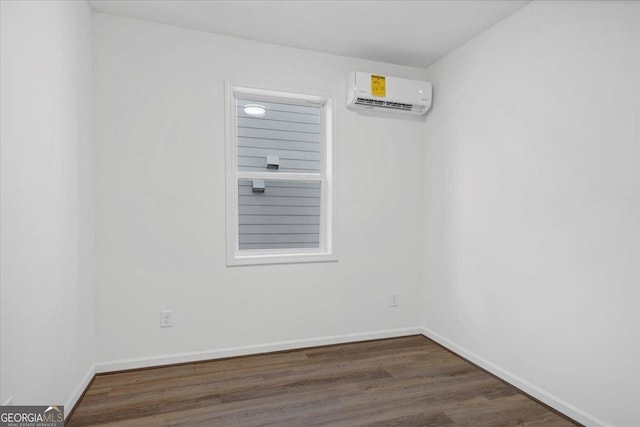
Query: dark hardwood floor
(408,381)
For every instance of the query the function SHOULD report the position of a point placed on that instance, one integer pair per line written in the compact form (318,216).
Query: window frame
(326,250)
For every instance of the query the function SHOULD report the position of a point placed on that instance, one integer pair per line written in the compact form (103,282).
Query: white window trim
(326,252)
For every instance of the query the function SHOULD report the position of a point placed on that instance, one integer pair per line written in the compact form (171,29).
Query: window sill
(263,259)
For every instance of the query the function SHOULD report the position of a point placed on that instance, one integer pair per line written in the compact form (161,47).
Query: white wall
(159,105)
(47,326)
(532,205)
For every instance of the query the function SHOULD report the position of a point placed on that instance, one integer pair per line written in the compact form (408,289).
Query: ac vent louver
(384,104)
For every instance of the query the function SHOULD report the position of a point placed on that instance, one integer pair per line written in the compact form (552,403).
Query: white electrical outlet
(393,300)
(166,318)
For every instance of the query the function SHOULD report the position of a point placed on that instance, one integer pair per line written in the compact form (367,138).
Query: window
(279,177)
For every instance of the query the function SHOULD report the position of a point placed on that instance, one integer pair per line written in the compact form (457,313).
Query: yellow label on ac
(378,85)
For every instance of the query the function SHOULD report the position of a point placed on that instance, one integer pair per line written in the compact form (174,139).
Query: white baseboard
(77,394)
(529,388)
(196,356)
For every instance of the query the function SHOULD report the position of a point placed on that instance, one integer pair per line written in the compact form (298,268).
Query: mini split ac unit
(366,91)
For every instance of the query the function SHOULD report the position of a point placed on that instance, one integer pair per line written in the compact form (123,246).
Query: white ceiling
(414,33)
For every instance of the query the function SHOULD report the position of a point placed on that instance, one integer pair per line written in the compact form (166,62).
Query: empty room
(319,213)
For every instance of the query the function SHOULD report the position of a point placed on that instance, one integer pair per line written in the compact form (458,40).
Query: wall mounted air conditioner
(366,91)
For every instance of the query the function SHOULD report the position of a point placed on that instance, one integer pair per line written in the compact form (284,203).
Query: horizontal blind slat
(247,190)
(277,210)
(279,238)
(298,245)
(249,122)
(282,184)
(282,154)
(278,135)
(251,142)
(286,165)
(279,229)
(278,201)
(279,219)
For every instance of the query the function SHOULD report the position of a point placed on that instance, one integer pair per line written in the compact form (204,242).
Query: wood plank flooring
(409,381)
